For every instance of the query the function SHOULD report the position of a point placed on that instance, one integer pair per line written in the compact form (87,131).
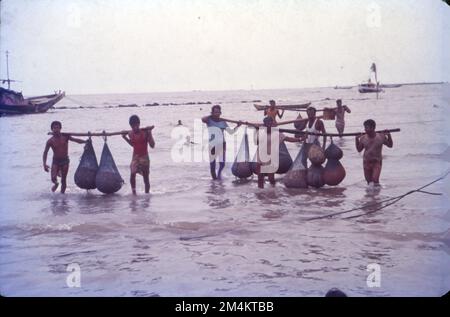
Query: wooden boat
(368,88)
(12,102)
(284,107)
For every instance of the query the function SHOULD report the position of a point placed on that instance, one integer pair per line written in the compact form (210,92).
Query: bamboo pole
(304,110)
(104,133)
(334,134)
(283,107)
(262,124)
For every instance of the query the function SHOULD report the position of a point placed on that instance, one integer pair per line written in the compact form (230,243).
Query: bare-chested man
(340,113)
(372,144)
(59,143)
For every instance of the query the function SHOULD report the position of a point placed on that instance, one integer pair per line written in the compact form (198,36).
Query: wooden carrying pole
(261,124)
(284,107)
(304,110)
(104,133)
(334,134)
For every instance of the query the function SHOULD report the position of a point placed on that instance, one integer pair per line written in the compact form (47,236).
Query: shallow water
(196,237)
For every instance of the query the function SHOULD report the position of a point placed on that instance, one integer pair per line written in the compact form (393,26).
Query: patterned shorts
(140,164)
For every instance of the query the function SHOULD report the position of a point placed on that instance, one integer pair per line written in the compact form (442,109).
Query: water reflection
(139,204)
(59,205)
(216,194)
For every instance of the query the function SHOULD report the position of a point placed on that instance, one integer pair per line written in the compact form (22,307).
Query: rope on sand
(388,201)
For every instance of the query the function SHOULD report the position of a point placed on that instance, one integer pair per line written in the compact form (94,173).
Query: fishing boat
(370,87)
(284,107)
(13,102)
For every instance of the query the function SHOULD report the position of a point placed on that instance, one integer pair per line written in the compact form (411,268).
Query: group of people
(140,139)
(371,141)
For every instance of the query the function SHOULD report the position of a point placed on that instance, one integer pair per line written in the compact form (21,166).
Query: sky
(133,46)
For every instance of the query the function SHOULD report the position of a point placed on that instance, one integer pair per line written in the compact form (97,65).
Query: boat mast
(374,69)
(7,69)
(7,80)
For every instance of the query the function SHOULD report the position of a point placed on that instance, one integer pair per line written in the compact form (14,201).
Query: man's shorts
(140,164)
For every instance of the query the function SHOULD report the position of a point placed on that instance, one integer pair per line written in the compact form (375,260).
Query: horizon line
(242,89)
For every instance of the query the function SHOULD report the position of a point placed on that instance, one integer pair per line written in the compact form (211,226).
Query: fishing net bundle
(241,167)
(87,168)
(108,179)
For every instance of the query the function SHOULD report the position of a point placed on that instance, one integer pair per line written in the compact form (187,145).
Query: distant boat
(13,102)
(284,107)
(370,87)
(343,87)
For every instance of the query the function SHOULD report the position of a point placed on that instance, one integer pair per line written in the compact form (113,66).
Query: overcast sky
(118,46)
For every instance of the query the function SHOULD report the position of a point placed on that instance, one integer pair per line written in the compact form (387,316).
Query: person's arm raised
(76,140)
(150,139)
(126,137)
(388,139)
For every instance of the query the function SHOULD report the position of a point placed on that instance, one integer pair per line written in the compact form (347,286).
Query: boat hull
(31,105)
(365,90)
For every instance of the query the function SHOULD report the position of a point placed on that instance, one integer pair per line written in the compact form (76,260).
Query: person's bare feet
(55,187)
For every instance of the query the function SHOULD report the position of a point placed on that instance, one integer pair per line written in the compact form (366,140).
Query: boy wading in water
(340,113)
(59,143)
(217,144)
(372,144)
(140,163)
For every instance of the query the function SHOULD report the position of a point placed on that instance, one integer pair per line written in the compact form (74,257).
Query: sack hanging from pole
(316,154)
(296,177)
(300,125)
(108,179)
(334,172)
(253,163)
(285,159)
(87,169)
(314,174)
(242,167)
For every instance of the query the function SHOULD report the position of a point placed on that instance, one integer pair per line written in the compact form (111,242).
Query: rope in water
(389,201)
(78,102)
